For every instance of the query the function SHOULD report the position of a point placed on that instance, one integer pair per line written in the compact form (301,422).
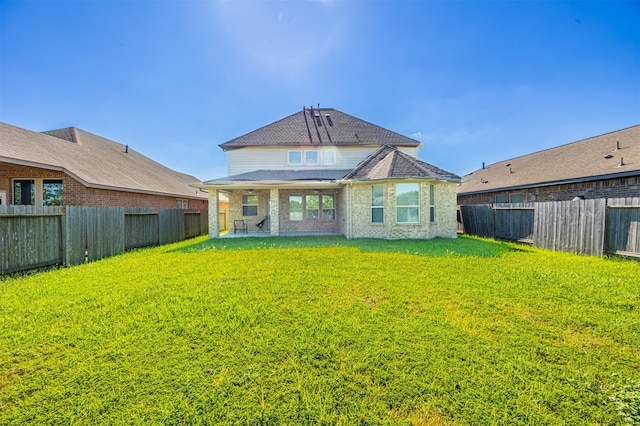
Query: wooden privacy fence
(35,237)
(590,227)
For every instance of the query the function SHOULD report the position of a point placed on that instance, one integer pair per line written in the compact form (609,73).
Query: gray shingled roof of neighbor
(319,126)
(615,154)
(389,163)
(95,161)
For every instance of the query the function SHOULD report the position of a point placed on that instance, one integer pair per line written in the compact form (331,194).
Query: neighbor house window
(24,192)
(295,157)
(249,205)
(295,207)
(501,199)
(328,207)
(516,198)
(182,204)
(408,203)
(432,203)
(377,204)
(311,157)
(52,192)
(328,157)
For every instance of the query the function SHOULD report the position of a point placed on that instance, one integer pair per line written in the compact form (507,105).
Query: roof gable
(389,163)
(319,126)
(95,161)
(600,157)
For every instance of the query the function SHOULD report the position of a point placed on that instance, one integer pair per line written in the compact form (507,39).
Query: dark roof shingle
(588,159)
(388,163)
(320,126)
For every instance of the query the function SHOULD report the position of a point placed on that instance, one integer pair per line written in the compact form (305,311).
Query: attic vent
(318,119)
(608,156)
(329,120)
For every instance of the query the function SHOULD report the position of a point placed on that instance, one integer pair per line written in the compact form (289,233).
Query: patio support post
(214,213)
(274,211)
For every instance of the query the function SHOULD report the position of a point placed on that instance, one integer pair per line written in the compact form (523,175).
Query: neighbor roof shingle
(589,159)
(93,160)
(319,126)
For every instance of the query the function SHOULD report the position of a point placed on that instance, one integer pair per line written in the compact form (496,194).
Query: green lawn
(324,331)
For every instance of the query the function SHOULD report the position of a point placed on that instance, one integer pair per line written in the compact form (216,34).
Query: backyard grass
(324,331)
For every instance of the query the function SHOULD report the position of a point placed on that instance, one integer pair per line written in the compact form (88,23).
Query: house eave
(95,185)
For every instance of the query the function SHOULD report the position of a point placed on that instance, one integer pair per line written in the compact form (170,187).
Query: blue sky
(473,80)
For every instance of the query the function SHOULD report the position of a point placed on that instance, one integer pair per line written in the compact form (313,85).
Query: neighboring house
(606,166)
(323,171)
(73,167)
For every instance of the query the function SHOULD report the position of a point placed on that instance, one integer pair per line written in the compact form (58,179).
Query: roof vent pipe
(483,164)
(617,145)
(621,161)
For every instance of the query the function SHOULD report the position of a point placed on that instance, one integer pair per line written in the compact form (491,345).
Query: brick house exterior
(87,170)
(605,166)
(321,171)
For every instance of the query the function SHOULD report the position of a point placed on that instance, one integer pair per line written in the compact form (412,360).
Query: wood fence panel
(514,222)
(30,237)
(141,228)
(105,231)
(623,226)
(204,222)
(171,225)
(192,223)
(478,220)
(572,226)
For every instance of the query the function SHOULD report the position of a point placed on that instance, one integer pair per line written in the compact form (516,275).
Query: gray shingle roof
(319,126)
(589,159)
(389,163)
(95,161)
(276,176)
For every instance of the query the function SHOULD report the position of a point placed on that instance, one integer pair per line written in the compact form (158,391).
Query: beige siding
(275,158)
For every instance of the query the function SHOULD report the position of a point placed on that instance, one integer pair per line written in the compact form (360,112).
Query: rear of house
(321,171)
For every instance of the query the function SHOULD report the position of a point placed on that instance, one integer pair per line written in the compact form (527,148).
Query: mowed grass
(324,331)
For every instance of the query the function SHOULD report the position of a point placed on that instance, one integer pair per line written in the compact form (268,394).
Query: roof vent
(608,156)
(617,145)
(329,120)
(621,161)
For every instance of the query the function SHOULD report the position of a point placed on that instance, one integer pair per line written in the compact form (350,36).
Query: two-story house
(321,171)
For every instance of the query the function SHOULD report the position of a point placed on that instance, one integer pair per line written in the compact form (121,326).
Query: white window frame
(309,161)
(294,163)
(408,206)
(377,207)
(328,161)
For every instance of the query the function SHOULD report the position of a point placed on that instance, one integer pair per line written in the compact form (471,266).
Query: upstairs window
(295,157)
(328,157)
(311,158)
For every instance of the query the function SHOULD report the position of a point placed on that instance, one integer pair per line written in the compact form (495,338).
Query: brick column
(214,213)
(274,211)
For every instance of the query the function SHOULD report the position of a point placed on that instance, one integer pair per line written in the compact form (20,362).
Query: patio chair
(239,225)
(261,224)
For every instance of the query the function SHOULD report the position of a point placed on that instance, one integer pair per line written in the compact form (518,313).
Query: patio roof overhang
(241,185)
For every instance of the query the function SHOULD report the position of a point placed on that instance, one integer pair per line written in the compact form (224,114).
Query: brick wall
(76,194)
(609,188)
(445,213)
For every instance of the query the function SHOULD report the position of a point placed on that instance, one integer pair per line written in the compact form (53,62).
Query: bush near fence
(591,227)
(34,237)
